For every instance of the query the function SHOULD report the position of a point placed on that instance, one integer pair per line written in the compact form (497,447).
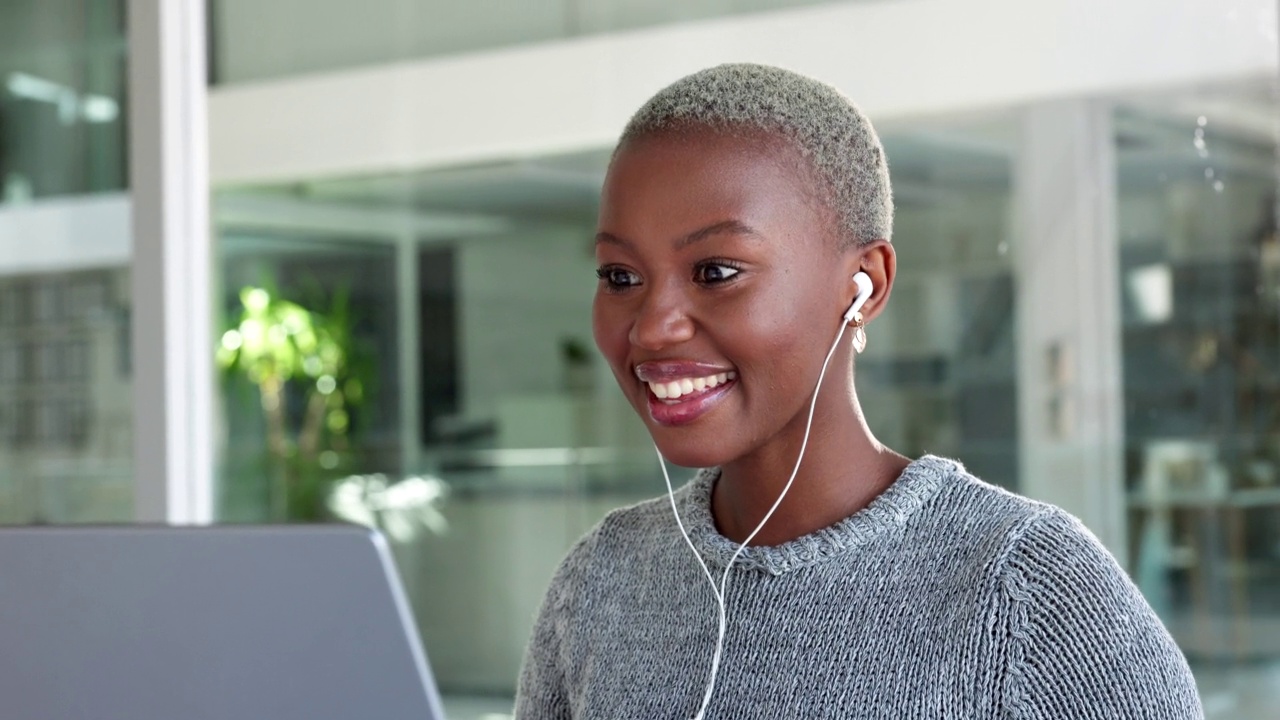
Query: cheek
(784,349)
(609,328)
(785,322)
(783,338)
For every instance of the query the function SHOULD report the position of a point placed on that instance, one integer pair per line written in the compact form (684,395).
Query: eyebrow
(724,227)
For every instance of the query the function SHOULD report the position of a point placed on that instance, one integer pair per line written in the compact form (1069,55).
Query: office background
(400,201)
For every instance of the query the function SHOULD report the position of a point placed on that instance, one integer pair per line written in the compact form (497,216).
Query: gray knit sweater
(945,598)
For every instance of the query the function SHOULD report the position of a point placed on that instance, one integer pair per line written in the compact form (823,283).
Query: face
(721,291)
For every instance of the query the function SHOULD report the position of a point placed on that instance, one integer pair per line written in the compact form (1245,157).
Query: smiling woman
(739,209)
(724,298)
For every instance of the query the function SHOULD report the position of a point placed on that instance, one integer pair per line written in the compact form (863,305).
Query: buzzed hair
(827,129)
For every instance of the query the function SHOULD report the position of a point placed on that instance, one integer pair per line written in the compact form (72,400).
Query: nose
(662,320)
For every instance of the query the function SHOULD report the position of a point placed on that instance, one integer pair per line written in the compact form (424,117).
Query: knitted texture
(945,598)
(832,135)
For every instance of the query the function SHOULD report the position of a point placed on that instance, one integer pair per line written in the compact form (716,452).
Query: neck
(843,470)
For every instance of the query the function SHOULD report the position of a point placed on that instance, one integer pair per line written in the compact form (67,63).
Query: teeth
(685,386)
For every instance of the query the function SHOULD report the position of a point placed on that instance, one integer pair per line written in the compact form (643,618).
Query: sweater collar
(918,483)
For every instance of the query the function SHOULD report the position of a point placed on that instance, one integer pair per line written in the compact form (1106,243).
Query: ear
(878,260)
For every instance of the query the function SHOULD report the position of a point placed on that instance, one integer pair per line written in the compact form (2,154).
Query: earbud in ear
(863,281)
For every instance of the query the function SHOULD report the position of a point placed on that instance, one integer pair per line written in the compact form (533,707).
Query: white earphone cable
(721,591)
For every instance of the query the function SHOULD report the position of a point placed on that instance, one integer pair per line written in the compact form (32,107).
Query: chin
(688,452)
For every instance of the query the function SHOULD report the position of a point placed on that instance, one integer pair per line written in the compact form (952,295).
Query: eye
(616,278)
(715,272)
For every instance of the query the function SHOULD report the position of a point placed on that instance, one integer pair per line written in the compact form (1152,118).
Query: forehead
(677,181)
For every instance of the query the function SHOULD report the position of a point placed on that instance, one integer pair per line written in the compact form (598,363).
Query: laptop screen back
(221,623)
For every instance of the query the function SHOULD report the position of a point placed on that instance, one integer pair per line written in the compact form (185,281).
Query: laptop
(208,623)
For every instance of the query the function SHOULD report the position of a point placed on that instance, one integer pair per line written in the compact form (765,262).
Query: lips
(680,392)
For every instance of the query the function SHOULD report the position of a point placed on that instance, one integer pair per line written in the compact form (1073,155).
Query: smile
(679,391)
(672,391)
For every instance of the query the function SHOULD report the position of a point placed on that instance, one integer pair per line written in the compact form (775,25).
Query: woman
(739,206)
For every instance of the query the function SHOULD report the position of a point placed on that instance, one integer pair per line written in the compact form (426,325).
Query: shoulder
(554,653)
(625,528)
(626,522)
(1036,552)
(1057,573)
(1055,543)
(968,514)
(1054,556)
(1077,638)
(1080,633)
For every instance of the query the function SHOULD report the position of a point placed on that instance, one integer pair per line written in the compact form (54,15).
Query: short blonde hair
(827,129)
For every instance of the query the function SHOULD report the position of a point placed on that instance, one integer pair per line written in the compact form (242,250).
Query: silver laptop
(220,623)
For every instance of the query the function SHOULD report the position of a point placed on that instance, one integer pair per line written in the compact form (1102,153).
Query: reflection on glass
(65,414)
(941,375)
(1201,307)
(403,510)
(66,441)
(62,128)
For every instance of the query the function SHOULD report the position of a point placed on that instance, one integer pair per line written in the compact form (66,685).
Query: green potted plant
(276,345)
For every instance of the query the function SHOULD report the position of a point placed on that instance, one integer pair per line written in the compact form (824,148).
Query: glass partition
(65,401)
(62,124)
(1200,267)
(1085,310)
(941,376)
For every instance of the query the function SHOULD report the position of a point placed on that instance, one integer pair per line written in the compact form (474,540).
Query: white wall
(896,59)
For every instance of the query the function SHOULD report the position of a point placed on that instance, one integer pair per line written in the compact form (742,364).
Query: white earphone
(863,281)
